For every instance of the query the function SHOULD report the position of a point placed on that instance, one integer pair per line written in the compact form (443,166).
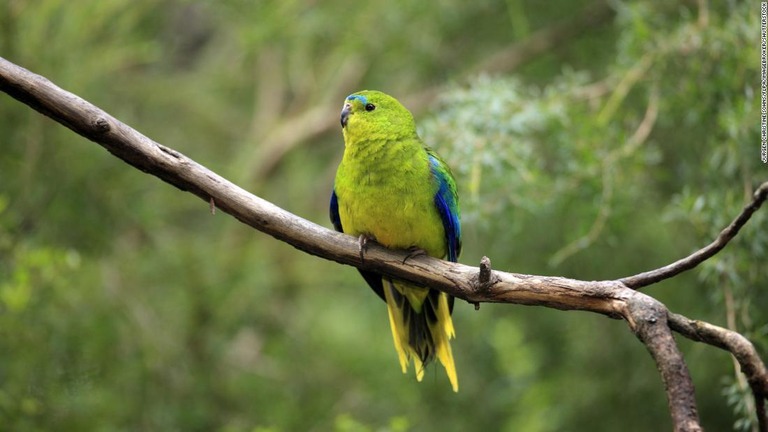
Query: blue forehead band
(362,99)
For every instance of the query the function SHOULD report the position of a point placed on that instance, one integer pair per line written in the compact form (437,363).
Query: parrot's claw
(363,245)
(413,252)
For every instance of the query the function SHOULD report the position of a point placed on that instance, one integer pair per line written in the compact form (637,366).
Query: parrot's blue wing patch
(447,203)
(334,212)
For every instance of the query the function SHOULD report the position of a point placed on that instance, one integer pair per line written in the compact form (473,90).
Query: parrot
(392,189)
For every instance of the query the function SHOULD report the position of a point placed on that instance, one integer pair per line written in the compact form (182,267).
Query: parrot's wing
(334,212)
(447,203)
(373,279)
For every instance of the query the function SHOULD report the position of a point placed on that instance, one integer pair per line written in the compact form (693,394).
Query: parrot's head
(371,114)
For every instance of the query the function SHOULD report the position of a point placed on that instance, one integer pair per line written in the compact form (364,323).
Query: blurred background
(591,140)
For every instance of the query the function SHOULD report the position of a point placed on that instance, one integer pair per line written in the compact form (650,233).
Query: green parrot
(391,188)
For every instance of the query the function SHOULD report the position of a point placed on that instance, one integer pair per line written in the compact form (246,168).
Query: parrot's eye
(370,107)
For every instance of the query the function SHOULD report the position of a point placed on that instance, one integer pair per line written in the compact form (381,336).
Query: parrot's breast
(391,198)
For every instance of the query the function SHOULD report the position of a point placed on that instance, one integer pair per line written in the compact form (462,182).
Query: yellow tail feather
(398,334)
(398,297)
(442,343)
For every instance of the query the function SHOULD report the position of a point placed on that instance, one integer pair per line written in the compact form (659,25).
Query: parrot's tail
(421,327)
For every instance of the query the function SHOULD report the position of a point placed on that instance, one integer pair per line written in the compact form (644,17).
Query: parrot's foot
(363,245)
(413,252)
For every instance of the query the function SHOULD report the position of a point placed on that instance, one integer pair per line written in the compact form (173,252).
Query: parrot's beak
(345,112)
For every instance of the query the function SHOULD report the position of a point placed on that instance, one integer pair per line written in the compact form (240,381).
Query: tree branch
(647,317)
(653,276)
(741,349)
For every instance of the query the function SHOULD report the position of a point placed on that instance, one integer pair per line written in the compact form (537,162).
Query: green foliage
(125,305)
(571,162)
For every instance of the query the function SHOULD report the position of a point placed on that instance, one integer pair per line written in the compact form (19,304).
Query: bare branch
(652,329)
(653,276)
(647,317)
(741,349)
